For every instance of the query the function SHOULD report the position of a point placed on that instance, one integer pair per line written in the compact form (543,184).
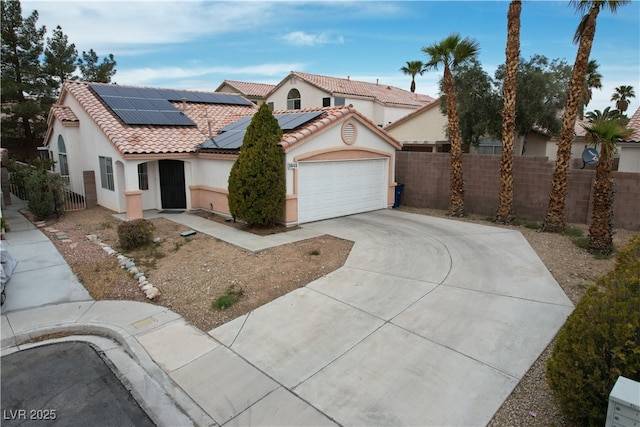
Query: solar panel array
(233,134)
(149,106)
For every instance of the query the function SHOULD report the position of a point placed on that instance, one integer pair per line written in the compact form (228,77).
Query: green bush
(599,342)
(230,297)
(45,193)
(257,186)
(135,233)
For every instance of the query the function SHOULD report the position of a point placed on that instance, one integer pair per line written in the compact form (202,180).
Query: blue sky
(198,44)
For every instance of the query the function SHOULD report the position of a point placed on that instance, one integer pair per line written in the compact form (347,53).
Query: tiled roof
(249,88)
(65,115)
(147,139)
(330,116)
(634,123)
(378,92)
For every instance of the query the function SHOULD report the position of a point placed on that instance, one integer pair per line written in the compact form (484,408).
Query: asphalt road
(65,384)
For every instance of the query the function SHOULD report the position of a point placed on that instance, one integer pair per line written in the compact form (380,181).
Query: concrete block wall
(426,180)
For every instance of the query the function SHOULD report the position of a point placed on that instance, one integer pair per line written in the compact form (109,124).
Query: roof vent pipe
(377,82)
(348,77)
(184,104)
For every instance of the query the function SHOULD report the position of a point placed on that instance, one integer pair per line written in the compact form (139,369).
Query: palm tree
(505,204)
(451,53)
(621,96)
(411,69)
(605,130)
(592,81)
(554,219)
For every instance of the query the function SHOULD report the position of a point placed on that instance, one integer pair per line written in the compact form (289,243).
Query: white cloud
(104,25)
(177,76)
(300,38)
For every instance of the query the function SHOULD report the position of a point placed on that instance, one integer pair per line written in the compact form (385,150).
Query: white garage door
(338,188)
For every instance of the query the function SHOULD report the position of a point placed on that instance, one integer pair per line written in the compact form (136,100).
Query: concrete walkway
(430,322)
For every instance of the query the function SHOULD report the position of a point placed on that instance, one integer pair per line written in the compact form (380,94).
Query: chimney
(377,82)
(348,77)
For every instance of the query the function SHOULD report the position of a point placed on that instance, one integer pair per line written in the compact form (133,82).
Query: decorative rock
(108,250)
(152,293)
(147,287)
(133,270)
(62,236)
(137,276)
(41,224)
(91,237)
(157,240)
(142,278)
(129,264)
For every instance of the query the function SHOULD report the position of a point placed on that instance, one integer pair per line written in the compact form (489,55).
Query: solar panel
(241,124)
(150,106)
(229,140)
(232,135)
(291,121)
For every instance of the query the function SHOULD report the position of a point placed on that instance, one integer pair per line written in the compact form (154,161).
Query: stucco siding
(629,157)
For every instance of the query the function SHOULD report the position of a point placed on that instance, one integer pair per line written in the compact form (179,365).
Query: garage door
(333,189)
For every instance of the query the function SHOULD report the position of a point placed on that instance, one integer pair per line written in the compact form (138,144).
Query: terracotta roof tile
(251,89)
(634,123)
(209,118)
(379,92)
(330,116)
(65,115)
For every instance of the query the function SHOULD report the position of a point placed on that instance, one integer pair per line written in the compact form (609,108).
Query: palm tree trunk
(456,203)
(554,220)
(600,231)
(505,204)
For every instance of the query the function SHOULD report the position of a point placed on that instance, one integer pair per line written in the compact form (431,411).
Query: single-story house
(173,149)
(425,130)
(254,92)
(379,102)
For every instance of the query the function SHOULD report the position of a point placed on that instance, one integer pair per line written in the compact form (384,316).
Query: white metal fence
(74,193)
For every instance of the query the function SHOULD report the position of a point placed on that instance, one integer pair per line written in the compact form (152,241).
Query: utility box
(624,404)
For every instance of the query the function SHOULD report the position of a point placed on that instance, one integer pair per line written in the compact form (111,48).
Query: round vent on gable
(349,132)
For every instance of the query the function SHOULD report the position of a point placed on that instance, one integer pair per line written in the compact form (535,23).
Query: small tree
(257,187)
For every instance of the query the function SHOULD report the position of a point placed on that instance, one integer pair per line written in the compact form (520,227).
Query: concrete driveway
(430,322)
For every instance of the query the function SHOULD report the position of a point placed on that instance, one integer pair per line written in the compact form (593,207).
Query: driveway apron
(429,322)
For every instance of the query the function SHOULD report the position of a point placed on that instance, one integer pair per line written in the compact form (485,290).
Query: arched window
(293,100)
(62,157)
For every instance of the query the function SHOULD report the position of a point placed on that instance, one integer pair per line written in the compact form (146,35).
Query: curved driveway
(430,322)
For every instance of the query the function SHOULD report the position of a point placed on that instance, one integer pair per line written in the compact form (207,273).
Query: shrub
(135,233)
(45,193)
(257,187)
(230,297)
(599,342)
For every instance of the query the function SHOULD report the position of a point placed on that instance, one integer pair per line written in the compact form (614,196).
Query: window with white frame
(62,158)
(293,100)
(489,146)
(143,177)
(106,173)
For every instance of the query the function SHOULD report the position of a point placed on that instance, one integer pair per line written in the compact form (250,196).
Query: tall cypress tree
(257,188)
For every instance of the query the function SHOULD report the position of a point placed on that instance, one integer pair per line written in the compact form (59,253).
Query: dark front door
(172,191)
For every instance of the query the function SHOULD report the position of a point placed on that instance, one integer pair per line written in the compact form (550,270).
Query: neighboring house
(422,130)
(168,149)
(425,130)
(381,103)
(629,151)
(254,92)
